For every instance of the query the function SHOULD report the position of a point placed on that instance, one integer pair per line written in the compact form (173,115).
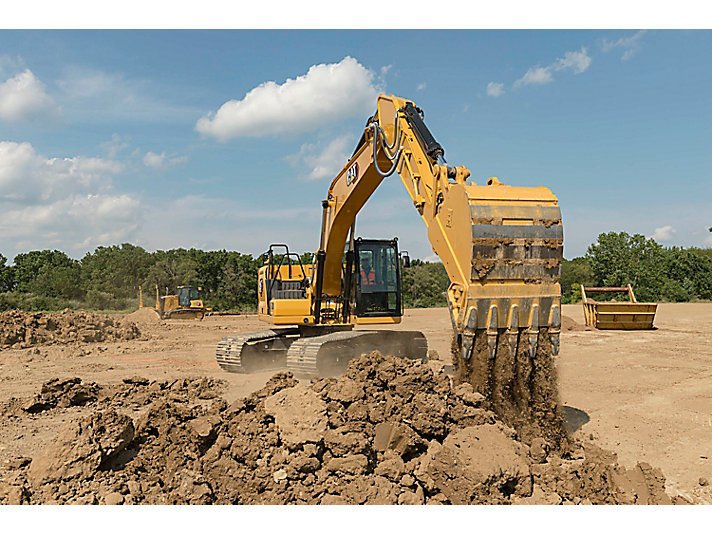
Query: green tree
(116,270)
(237,287)
(619,259)
(171,269)
(7,276)
(689,274)
(49,273)
(424,284)
(307,258)
(574,273)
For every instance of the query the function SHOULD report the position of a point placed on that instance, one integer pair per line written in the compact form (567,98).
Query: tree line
(108,278)
(657,273)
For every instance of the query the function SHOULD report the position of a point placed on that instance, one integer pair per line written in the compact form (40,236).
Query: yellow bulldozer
(501,247)
(186,303)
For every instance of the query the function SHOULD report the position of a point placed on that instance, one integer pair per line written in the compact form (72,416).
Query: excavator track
(329,354)
(240,354)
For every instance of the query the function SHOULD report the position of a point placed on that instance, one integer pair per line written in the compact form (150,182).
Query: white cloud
(495,89)
(114,147)
(162,161)
(630,45)
(326,93)
(323,161)
(385,69)
(78,222)
(575,61)
(421,86)
(663,233)
(154,160)
(535,76)
(26,176)
(64,203)
(23,97)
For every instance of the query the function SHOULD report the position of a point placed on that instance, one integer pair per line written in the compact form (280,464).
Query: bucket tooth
(467,343)
(555,321)
(513,331)
(555,329)
(492,332)
(533,330)
(472,320)
(468,335)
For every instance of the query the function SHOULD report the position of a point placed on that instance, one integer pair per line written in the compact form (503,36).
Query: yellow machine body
(187,303)
(282,311)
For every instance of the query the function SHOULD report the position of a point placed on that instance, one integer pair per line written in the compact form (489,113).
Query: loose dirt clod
(19,329)
(62,393)
(388,431)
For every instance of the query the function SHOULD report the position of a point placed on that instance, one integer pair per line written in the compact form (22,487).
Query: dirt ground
(646,395)
(643,395)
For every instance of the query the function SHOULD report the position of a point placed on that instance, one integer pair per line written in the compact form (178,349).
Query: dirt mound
(387,431)
(19,329)
(570,325)
(143,316)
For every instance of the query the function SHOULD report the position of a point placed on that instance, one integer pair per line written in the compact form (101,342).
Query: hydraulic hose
(393,160)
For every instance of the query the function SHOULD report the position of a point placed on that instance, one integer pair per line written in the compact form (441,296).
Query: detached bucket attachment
(632,315)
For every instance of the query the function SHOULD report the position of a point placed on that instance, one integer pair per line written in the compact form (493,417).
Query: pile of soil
(570,325)
(144,316)
(387,431)
(19,329)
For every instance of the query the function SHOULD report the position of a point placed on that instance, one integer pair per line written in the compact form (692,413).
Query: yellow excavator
(501,247)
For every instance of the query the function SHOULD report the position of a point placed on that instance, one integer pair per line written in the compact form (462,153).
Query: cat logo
(352,174)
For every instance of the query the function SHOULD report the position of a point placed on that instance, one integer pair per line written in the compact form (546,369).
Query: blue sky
(131,136)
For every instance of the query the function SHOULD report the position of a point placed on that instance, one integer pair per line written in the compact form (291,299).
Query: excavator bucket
(517,246)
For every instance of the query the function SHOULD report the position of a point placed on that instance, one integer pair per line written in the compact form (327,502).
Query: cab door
(378,281)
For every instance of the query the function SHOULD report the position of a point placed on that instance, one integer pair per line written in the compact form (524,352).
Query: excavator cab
(378,287)
(188,295)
